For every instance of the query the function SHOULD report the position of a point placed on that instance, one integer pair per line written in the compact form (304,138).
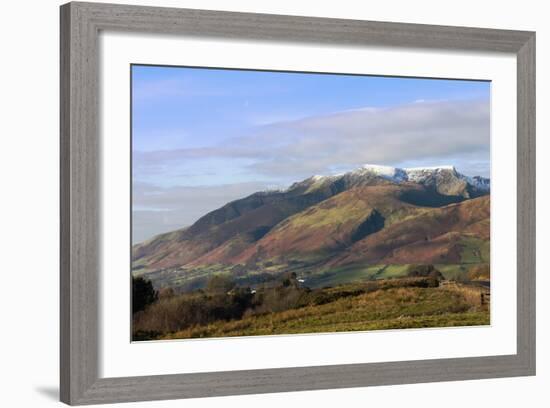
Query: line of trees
(221,299)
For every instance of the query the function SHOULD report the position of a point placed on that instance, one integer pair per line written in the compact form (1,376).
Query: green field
(188,279)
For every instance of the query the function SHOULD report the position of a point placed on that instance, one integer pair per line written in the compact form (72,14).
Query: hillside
(361,224)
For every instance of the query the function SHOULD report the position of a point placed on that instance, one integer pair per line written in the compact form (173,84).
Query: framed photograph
(287,197)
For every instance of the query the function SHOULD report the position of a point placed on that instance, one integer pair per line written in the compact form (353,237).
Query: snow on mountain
(422,174)
(441,177)
(387,172)
(479,182)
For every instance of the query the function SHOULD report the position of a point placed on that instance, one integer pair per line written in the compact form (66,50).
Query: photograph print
(278,203)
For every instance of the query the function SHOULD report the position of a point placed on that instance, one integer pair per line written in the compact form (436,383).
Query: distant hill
(330,226)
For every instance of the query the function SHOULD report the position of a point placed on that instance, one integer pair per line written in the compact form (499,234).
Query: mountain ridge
(322,217)
(431,176)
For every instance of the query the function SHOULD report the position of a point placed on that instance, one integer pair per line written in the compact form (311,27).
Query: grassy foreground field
(397,308)
(385,304)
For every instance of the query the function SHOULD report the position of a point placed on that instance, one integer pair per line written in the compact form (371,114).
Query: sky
(204,137)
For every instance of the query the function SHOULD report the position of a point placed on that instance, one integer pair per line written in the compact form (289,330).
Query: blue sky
(202,137)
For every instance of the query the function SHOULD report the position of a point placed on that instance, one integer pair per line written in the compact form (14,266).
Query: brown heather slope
(434,236)
(333,224)
(336,222)
(238,223)
(369,225)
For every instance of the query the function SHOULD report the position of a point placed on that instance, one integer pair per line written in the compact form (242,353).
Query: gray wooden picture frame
(80,234)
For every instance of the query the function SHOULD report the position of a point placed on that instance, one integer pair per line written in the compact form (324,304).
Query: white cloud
(425,132)
(418,134)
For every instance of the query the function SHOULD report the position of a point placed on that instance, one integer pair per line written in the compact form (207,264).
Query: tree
(290,279)
(433,275)
(218,284)
(428,271)
(143,294)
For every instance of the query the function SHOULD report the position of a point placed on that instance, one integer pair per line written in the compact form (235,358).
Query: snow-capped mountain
(388,215)
(445,180)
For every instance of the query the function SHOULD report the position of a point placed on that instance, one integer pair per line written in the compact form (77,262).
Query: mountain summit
(445,180)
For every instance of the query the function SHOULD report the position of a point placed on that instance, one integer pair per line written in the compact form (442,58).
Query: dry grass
(471,294)
(393,308)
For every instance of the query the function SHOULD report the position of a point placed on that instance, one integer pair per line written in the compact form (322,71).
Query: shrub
(290,279)
(220,284)
(280,298)
(479,272)
(175,313)
(428,271)
(165,293)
